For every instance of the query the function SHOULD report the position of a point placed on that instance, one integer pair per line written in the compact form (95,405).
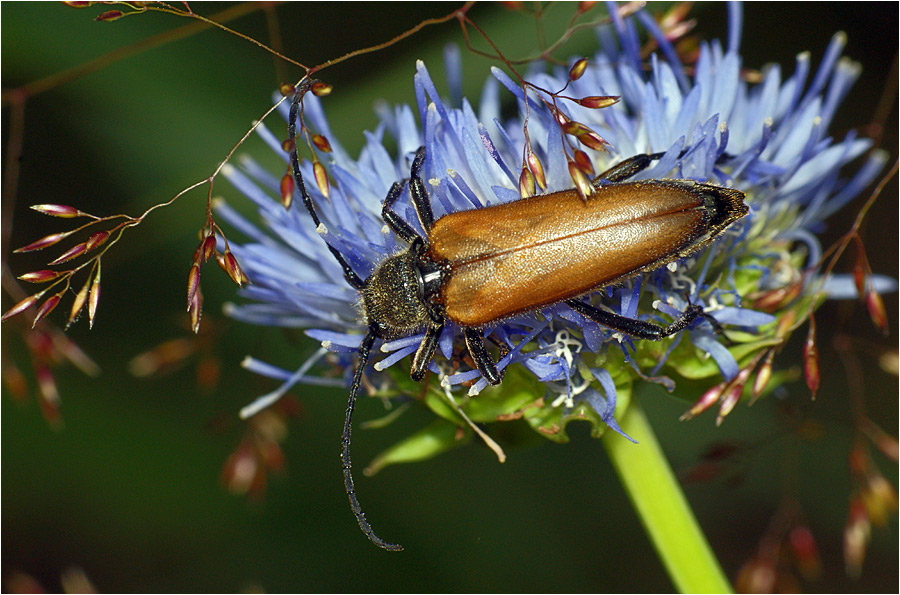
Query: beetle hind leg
(638,329)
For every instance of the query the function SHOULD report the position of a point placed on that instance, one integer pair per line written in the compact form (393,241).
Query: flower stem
(662,507)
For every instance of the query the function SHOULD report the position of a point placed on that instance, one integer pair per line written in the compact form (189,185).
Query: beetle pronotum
(479,266)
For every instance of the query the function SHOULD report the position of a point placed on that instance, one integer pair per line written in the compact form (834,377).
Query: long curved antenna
(351,276)
(364,349)
(367,342)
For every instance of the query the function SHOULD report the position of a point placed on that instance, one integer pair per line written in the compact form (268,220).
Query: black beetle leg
(426,350)
(479,353)
(638,329)
(417,192)
(397,224)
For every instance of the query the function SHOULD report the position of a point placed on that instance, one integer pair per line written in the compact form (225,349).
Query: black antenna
(364,348)
(352,278)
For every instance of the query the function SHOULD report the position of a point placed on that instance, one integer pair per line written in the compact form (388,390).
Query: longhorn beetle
(479,266)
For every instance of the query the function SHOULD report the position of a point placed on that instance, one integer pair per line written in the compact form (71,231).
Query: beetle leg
(426,350)
(625,169)
(418,193)
(397,224)
(633,327)
(483,361)
(419,199)
(631,166)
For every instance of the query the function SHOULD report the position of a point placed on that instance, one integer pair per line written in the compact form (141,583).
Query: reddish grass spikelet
(47,307)
(859,276)
(14,381)
(757,575)
(733,392)
(64,211)
(763,375)
(49,395)
(592,140)
(806,552)
(537,168)
(96,239)
(880,499)
(584,163)
(811,359)
(78,303)
(526,183)
(321,178)
(877,312)
(321,143)
(578,69)
(561,118)
(706,400)
(196,310)
(320,89)
(776,299)
(231,266)
(193,284)
(73,252)
(41,276)
(785,324)
(857,533)
(162,357)
(44,242)
(287,89)
(582,184)
(598,101)
(198,254)
(94,297)
(209,247)
(109,16)
(240,473)
(22,306)
(287,190)
(675,15)
(575,128)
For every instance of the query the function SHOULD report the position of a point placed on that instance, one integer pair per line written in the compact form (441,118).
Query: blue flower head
(767,139)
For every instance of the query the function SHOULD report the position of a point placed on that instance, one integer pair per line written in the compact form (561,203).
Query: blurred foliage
(129,488)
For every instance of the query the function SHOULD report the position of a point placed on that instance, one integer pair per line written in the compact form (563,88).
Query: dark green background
(129,489)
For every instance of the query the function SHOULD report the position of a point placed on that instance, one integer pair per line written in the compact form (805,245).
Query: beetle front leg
(633,327)
(479,353)
(419,198)
(418,193)
(397,224)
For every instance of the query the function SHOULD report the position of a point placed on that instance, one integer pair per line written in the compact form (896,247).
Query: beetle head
(393,297)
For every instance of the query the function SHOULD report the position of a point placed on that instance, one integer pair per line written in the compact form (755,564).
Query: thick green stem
(662,507)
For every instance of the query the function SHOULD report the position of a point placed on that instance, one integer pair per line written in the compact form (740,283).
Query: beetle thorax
(393,297)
